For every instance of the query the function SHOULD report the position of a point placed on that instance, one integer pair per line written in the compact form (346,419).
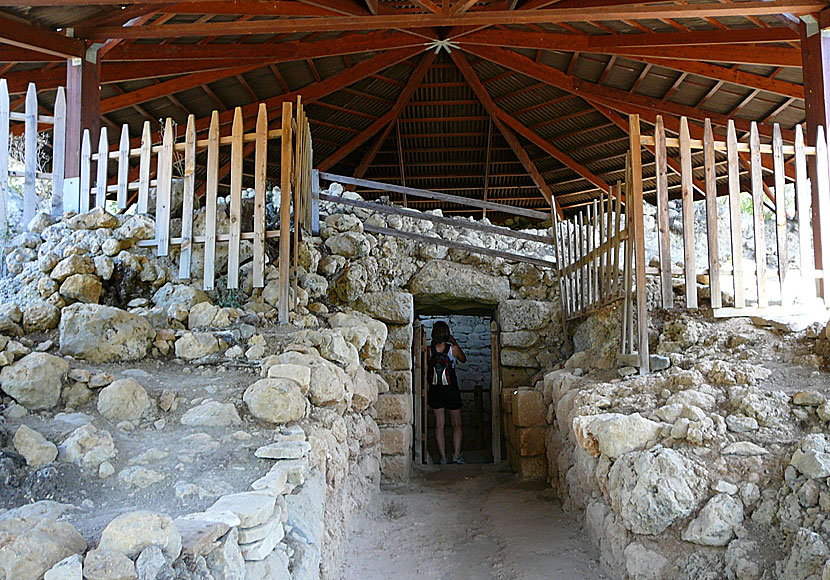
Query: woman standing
(443,392)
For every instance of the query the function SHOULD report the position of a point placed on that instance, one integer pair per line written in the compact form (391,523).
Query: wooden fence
(787,294)
(30,118)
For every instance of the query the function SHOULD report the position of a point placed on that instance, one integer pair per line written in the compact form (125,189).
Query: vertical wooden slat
(735,226)
(687,194)
(625,343)
(297,203)
(710,172)
(210,200)
(595,246)
(123,166)
(589,266)
(30,157)
(83,180)
(237,134)
(144,169)
(663,243)
(823,178)
(260,169)
(571,238)
(758,216)
(565,291)
(58,153)
(615,266)
(802,188)
(315,202)
(101,176)
(188,195)
(164,184)
(636,200)
(417,385)
(285,201)
(4,156)
(781,214)
(603,200)
(629,217)
(583,271)
(609,215)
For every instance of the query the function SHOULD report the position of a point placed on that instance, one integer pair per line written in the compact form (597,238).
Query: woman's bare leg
(439,431)
(455,417)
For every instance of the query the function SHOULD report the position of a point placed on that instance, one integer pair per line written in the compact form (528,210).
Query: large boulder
(100,333)
(179,295)
(276,400)
(81,288)
(457,286)
(88,447)
(132,532)
(812,458)
(193,345)
(30,547)
(614,434)
(123,400)
(212,414)
(40,316)
(652,489)
(328,382)
(35,380)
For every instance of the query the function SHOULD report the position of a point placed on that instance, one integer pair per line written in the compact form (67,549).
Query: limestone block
(103,333)
(276,400)
(253,508)
(398,381)
(399,336)
(108,565)
(535,467)
(132,532)
(395,468)
(394,408)
(528,408)
(530,441)
(526,314)
(519,358)
(389,307)
(519,338)
(395,440)
(193,345)
(35,380)
(512,377)
(451,284)
(123,400)
(397,360)
(34,447)
(82,288)
(299,373)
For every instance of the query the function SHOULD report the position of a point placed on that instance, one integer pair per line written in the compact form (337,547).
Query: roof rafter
(389,117)
(21,34)
(491,108)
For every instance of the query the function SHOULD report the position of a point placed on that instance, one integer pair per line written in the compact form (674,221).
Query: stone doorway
(475,379)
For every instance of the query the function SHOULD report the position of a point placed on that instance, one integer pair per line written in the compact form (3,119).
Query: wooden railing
(762,196)
(30,174)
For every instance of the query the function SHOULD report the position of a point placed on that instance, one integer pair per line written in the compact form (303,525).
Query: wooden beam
(240,7)
(372,152)
(21,34)
(266,51)
(493,110)
(495,17)
(169,87)
(579,87)
(403,98)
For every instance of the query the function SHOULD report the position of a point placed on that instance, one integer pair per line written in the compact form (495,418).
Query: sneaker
(443,461)
(459,459)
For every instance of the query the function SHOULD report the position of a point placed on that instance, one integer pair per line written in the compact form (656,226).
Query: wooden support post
(123,166)
(495,391)
(815,63)
(710,173)
(83,178)
(285,217)
(102,177)
(260,170)
(635,203)
(663,241)
(83,106)
(823,187)
(144,169)
(163,189)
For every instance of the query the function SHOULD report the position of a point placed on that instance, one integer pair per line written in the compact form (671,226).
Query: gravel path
(468,522)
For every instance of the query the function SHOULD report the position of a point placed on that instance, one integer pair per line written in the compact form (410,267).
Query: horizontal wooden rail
(200,144)
(674,143)
(270,234)
(459,223)
(459,246)
(436,195)
(46,119)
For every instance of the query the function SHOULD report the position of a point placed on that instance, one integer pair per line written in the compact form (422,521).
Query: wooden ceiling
(518,100)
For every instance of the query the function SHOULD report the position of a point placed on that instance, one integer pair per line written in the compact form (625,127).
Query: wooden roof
(523,98)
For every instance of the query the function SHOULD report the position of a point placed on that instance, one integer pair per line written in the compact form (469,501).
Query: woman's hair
(440,332)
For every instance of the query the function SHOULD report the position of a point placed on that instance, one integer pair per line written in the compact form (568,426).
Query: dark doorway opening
(475,379)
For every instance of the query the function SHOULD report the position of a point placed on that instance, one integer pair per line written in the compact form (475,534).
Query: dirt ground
(470,522)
